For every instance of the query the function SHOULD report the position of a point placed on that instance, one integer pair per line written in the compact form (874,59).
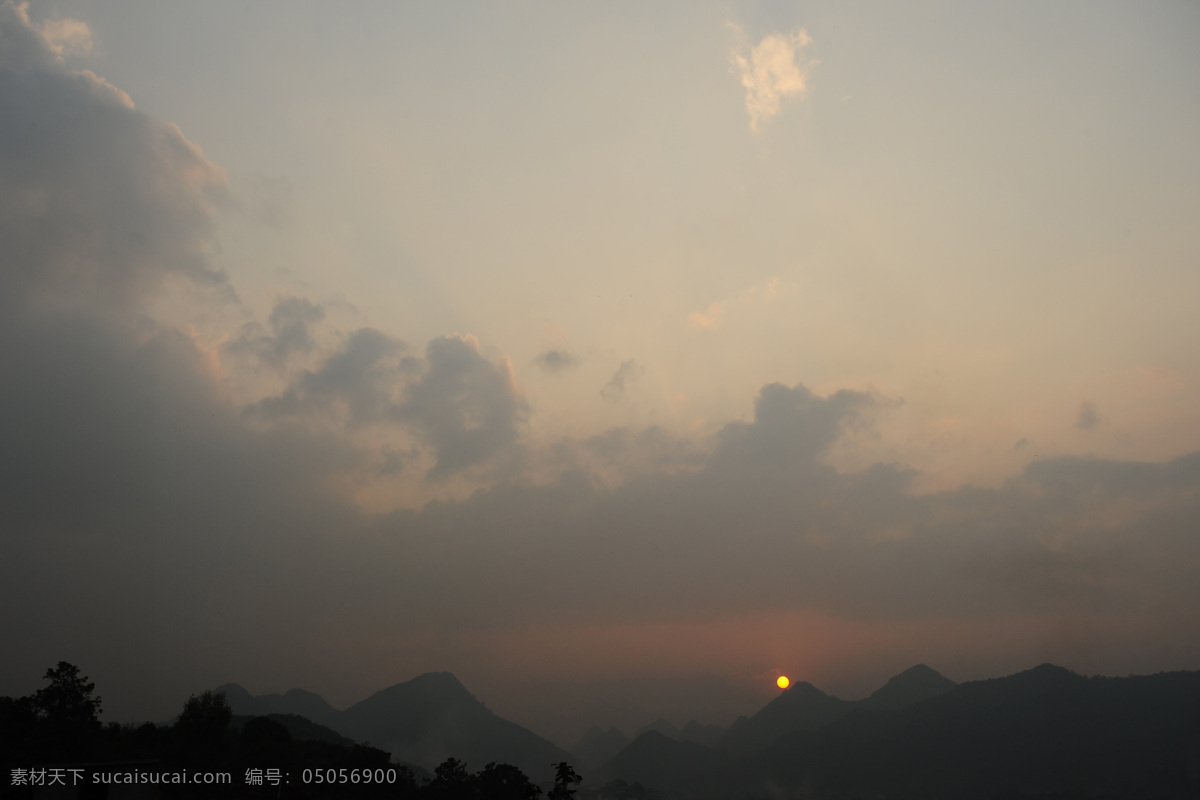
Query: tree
(564,778)
(506,782)
(68,700)
(451,781)
(205,718)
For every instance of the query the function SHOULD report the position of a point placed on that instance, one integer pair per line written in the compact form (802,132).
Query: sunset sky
(615,357)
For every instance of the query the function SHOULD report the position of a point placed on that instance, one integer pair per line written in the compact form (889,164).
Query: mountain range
(423,721)
(1046,733)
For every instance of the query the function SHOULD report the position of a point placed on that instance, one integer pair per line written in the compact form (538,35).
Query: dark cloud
(100,202)
(555,361)
(290,323)
(622,380)
(358,383)
(467,407)
(791,425)
(1088,419)
(136,510)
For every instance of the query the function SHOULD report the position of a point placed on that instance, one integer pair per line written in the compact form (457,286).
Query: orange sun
(783,682)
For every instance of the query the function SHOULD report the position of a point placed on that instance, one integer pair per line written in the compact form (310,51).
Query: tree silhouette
(451,781)
(204,721)
(506,782)
(68,700)
(565,777)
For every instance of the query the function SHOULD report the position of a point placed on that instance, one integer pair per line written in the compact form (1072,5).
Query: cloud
(358,384)
(622,380)
(290,324)
(555,361)
(102,203)
(713,316)
(67,36)
(58,37)
(467,408)
(771,72)
(1089,418)
(791,424)
(716,313)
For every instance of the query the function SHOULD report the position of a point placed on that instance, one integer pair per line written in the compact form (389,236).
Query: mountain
(300,728)
(659,725)
(296,701)
(598,746)
(914,685)
(433,717)
(682,769)
(423,721)
(800,707)
(706,735)
(1044,732)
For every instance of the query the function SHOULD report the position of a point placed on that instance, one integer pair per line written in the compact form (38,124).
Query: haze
(616,358)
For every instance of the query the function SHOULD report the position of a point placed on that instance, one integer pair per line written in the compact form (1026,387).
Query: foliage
(451,781)
(68,700)
(205,718)
(565,778)
(506,782)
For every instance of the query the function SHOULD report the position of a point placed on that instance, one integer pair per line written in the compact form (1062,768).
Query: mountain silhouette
(707,735)
(598,746)
(300,728)
(1044,732)
(683,769)
(662,726)
(914,685)
(423,721)
(433,717)
(302,703)
(800,707)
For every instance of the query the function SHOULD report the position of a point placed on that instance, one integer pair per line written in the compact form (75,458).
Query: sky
(614,357)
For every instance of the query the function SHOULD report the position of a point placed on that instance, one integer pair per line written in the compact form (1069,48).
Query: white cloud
(716,313)
(67,36)
(772,71)
(63,36)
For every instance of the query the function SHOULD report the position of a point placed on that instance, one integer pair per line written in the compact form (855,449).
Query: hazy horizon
(615,358)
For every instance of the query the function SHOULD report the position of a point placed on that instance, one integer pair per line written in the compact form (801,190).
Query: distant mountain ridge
(800,707)
(302,703)
(423,721)
(1046,732)
(803,707)
(914,685)
(598,746)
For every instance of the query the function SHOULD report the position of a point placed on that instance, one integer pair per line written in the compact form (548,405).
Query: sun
(783,682)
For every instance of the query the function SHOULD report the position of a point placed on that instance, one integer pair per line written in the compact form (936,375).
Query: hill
(433,717)
(800,707)
(423,721)
(914,685)
(1045,732)
(598,746)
